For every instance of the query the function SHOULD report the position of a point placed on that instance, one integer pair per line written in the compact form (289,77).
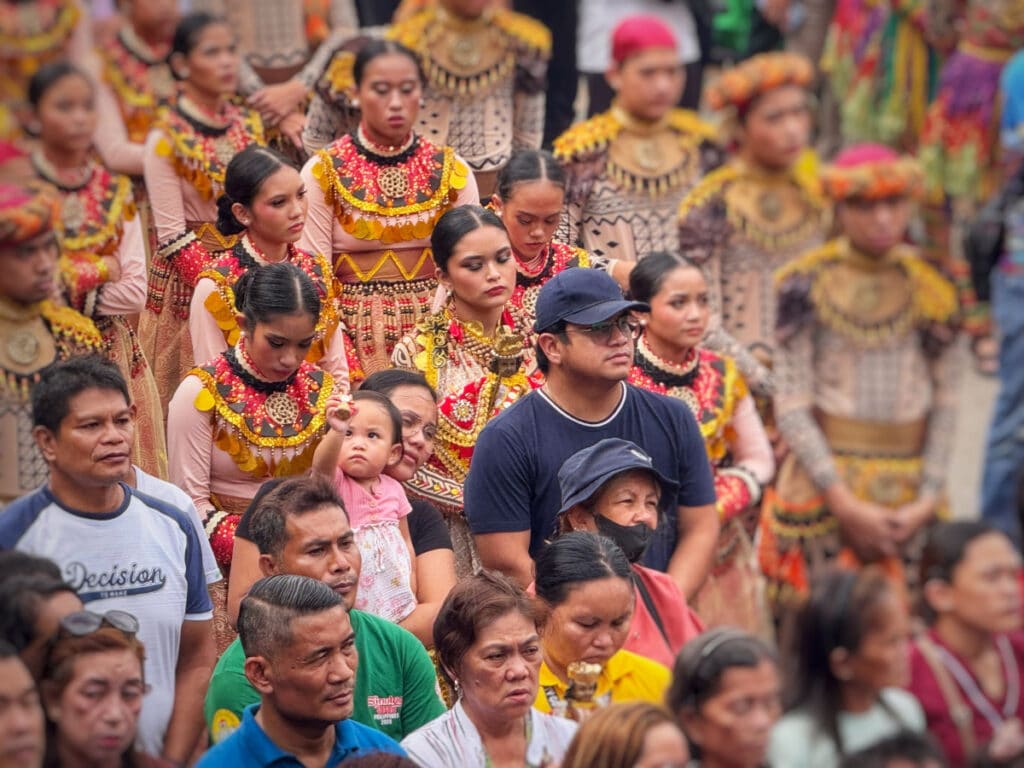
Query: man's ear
(267,565)
(550,345)
(259,673)
(46,441)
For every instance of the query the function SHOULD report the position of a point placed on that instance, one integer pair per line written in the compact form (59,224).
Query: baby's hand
(339,411)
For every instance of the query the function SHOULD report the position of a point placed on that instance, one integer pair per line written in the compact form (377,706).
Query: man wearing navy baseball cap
(585,335)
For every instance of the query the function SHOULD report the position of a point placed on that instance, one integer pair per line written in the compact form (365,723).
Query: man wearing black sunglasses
(585,335)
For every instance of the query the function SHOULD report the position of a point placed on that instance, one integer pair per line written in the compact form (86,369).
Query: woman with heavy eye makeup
(475,352)
(489,652)
(375,195)
(264,205)
(670,359)
(253,412)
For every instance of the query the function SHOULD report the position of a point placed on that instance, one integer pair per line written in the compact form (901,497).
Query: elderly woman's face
(419,428)
(591,624)
(498,675)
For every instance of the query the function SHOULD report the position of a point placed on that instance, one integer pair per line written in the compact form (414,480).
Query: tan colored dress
(625,181)
(741,226)
(867,369)
(34,336)
(485,86)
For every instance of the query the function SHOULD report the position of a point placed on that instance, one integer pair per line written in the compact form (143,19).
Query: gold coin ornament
(645,152)
(22,347)
(770,205)
(393,181)
(465,52)
(282,409)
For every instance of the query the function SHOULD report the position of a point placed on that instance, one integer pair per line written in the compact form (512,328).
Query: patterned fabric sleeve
(704,234)
(945,372)
(794,358)
(324,123)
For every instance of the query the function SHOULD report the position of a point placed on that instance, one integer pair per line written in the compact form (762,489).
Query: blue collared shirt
(251,747)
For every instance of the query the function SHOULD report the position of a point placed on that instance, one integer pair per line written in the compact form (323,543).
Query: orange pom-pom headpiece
(871,172)
(26,211)
(739,86)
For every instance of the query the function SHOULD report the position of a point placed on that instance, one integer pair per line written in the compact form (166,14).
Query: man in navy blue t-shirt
(585,347)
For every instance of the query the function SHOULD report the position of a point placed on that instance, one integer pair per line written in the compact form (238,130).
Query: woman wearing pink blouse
(264,203)
(186,157)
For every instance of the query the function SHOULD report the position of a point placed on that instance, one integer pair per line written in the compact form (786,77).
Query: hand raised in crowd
(339,411)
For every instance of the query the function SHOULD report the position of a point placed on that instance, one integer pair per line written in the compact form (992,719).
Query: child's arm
(403,526)
(325,458)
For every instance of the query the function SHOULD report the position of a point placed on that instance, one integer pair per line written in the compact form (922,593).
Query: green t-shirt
(396,686)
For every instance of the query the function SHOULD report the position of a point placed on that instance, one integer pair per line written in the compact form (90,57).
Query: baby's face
(369,443)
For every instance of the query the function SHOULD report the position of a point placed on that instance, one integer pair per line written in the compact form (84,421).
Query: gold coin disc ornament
(22,347)
(393,181)
(282,409)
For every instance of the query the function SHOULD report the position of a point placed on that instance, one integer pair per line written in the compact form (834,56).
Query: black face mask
(632,539)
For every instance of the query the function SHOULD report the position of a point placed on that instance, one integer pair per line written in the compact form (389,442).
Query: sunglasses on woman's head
(81,623)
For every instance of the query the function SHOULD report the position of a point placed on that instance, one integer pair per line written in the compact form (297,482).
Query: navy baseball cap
(582,296)
(585,471)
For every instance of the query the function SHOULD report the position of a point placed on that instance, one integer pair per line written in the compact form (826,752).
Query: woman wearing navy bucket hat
(612,488)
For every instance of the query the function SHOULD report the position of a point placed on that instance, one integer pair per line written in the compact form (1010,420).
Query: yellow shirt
(626,677)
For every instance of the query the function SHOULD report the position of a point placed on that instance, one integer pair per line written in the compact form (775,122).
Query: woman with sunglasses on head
(92,690)
(264,204)
(375,194)
(473,352)
(670,360)
(186,157)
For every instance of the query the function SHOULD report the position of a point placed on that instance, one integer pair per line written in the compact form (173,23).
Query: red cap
(638,33)
(864,154)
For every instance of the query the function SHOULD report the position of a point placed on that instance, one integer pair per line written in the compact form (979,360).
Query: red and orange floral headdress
(26,211)
(871,172)
(738,86)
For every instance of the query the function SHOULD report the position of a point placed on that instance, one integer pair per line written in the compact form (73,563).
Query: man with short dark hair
(118,548)
(301,527)
(585,334)
(300,654)
(22,724)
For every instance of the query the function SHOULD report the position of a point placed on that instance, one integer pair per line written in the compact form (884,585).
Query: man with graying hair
(300,655)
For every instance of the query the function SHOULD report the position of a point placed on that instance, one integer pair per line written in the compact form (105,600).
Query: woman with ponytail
(253,412)
(264,205)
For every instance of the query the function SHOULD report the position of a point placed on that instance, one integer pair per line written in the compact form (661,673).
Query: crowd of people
(371,395)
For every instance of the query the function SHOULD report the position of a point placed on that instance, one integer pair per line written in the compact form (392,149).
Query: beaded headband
(26,211)
(871,172)
(739,85)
